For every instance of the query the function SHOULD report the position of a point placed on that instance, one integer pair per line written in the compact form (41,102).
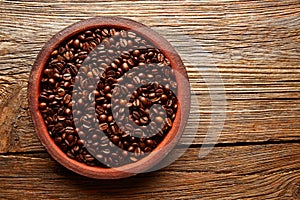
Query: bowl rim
(170,140)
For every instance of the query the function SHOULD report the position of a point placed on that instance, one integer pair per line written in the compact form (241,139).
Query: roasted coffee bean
(110,119)
(143,100)
(147,149)
(115,139)
(169,122)
(152,95)
(103,126)
(123,43)
(103,118)
(43,105)
(58,140)
(131,149)
(68,111)
(149,143)
(76,43)
(159,120)
(106,89)
(61,92)
(164,98)
(67,99)
(125,67)
(144,120)
(136,53)
(70,138)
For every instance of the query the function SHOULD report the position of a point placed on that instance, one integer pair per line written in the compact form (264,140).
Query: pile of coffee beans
(108,97)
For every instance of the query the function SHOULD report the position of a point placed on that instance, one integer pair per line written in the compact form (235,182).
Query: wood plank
(258,121)
(259,172)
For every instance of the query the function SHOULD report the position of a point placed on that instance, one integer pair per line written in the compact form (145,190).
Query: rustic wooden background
(254,45)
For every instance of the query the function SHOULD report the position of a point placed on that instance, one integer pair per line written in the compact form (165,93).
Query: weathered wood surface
(259,171)
(254,46)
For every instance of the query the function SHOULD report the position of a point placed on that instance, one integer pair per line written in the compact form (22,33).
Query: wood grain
(247,50)
(257,172)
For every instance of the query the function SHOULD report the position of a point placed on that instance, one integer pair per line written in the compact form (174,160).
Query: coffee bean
(67,77)
(68,111)
(76,43)
(133,159)
(114,65)
(43,105)
(159,120)
(103,118)
(106,89)
(70,138)
(131,34)
(103,126)
(130,62)
(80,142)
(61,92)
(123,43)
(143,100)
(48,72)
(110,119)
(164,98)
(54,53)
(136,114)
(137,151)
(67,99)
(169,122)
(58,140)
(52,81)
(144,120)
(136,103)
(136,53)
(131,149)
(108,96)
(125,67)
(123,33)
(152,95)
(149,143)
(90,74)
(89,158)
(147,149)
(115,139)
(160,57)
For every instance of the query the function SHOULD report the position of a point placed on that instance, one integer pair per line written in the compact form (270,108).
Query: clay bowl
(170,140)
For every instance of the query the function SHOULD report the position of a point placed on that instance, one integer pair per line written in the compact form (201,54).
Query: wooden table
(253,45)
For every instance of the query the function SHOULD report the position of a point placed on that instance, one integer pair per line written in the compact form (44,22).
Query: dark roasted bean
(61,92)
(125,67)
(103,118)
(149,143)
(58,140)
(131,149)
(103,126)
(169,122)
(115,139)
(43,105)
(143,100)
(159,119)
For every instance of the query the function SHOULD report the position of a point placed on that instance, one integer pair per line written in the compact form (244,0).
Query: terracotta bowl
(170,140)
